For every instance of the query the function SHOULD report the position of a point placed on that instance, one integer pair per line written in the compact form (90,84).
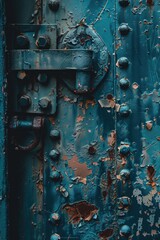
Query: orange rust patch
(65,158)
(149,125)
(79,119)
(52,120)
(80,210)
(81,170)
(112,138)
(90,102)
(106,233)
(135,85)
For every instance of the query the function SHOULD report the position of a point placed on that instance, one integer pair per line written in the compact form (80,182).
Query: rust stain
(150,2)
(79,119)
(105,234)
(112,138)
(105,184)
(52,120)
(90,102)
(149,125)
(151,172)
(80,210)
(135,86)
(65,158)
(81,170)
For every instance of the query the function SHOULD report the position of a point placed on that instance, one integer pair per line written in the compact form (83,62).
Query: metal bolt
(124,150)
(124,29)
(125,231)
(124,3)
(124,203)
(44,103)
(43,42)
(55,175)
(123,63)
(54,154)
(42,78)
(124,110)
(124,83)
(125,174)
(53,5)
(22,42)
(55,237)
(54,218)
(55,134)
(25,101)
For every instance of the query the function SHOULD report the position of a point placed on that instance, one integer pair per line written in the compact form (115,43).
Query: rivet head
(124,150)
(55,175)
(43,42)
(54,218)
(125,174)
(22,42)
(54,154)
(123,63)
(124,203)
(42,78)
(54,134)
(124,110)
(53,5)
(124,83)
(55,237)
(44,103)
(125,231)
(124,29)
(25,101)
(124,3)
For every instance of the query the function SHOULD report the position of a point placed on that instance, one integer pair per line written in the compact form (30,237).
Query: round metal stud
(54,134)
(124,83)
(125,231)
(55,237)
(42,78)
(55,175)
(124,110)
(124,203)
(124,3)
(22,42)
(44,103)
(124,29)
(54,218)
(43,42)
(54,154)
(53,5)
(124,150)
(125,174)
(123,63)
(25,101)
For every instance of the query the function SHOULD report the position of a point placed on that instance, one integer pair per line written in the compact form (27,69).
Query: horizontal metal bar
(51,59)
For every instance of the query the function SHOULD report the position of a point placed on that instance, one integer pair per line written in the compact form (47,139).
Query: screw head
(124,203)
(22,42)
(123,63)
(124,29)
(124,110)
(53,5)
(124,83)
(44,103)
(54,134)
(124,3)
(42,78)
(43,42)
(125,231)
(55,237)
(54,154)
(25,101)
(125,174)
(55,175)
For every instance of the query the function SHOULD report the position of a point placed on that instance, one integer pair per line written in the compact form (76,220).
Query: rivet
(44,103)
(54,134)
(124,83)
(43,42)
(55,237)
(124,110)
(54,218)
(124,29)
(125,231)
(124,3)
(125,174)
(124,203)
(24,101)
(124,150)
(53,5)
(91,150)
(22,42)
(55,175)
(123,63)
(54,154)
(42,78)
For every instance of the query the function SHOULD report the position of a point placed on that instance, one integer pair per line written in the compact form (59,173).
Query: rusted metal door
(82,95)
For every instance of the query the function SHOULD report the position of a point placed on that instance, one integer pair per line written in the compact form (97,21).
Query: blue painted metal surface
(83,136)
